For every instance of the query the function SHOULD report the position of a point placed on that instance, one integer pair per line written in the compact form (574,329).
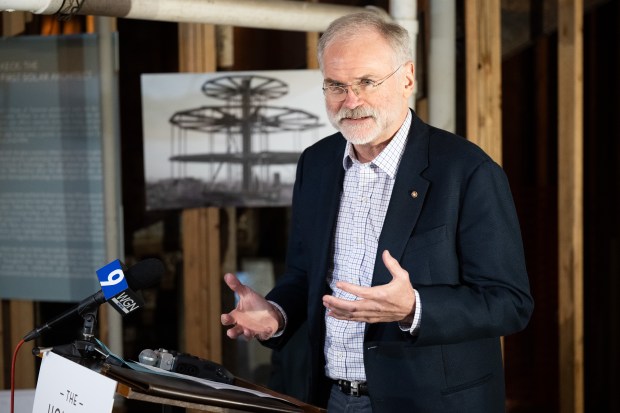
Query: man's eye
(367,83)
(335,88)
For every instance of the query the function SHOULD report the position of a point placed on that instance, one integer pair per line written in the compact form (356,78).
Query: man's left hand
(394,301)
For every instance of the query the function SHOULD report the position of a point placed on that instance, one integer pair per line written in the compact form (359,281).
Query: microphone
(186,364)
(118,287)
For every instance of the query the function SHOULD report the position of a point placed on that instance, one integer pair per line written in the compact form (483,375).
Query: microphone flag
(112,279)
(116,290)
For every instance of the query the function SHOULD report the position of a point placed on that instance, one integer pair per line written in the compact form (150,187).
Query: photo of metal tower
(235,143)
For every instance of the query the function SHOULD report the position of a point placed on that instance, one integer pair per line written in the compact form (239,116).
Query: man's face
(373,116)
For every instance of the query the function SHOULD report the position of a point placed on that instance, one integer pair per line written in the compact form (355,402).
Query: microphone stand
(85,351)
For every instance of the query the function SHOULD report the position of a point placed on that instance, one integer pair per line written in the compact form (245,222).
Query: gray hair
(350,25)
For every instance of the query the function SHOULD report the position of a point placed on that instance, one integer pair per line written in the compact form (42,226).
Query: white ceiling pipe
(273,14)
(405,13)
(33,6)
(442,65)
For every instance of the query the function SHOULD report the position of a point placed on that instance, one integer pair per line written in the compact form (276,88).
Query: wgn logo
(125,303)
(116,290)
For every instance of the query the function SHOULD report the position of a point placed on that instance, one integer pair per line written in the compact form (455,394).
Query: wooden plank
(131,394)
(228,243)
(13,23)
(3,351)
(202,274)
(483,75)
(201,245)
(197,48)
(201,283)
(570,205)
(21,322)
(312,41)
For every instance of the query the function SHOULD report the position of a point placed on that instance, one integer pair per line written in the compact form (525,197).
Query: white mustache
(356,113)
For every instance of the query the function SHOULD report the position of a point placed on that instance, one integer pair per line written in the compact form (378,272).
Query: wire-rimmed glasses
(337,92)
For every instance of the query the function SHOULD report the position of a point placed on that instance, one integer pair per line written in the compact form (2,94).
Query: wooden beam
(197,48)
(16,319)
(14,23)
(21,321)
(312,42)
(4,352)
(483,75)
(570,204)
(200,227)
(201,283)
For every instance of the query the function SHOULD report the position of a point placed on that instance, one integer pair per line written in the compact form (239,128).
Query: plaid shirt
(364,201)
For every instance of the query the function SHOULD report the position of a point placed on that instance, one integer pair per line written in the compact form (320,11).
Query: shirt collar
(389,158)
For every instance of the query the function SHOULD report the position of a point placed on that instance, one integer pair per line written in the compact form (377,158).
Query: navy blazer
(452,224)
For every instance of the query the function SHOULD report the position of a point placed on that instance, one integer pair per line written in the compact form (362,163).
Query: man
(405,256)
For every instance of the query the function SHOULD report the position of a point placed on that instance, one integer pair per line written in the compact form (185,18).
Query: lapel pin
(414,194)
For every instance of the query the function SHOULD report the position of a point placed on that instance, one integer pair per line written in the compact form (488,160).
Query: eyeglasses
(337,92)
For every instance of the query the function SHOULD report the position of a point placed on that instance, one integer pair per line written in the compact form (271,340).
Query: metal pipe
(273,14)
(442,65)
(405,13)
(33,6)
(110,149)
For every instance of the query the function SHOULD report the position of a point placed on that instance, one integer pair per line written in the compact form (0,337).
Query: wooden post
(312,41)
(14,23)
(483,75)
(4,357)
(200,227)
(16,319)
(197,48)
(483,67)
(201,283)
(570,204)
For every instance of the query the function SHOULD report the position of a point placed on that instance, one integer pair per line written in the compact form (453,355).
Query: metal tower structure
(243,116)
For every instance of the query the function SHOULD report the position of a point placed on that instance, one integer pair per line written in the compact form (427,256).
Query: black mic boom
(144,274)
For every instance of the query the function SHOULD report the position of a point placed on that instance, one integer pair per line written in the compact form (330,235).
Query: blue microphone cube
(112,279)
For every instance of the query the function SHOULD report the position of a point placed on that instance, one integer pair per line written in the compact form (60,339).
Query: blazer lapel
(331,179)
(408,196)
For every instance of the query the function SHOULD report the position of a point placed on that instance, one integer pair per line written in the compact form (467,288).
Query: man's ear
(409,70)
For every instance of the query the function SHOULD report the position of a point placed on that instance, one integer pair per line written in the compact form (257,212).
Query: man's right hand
(254,317)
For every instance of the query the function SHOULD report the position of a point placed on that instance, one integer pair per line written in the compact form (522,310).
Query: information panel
(51,186)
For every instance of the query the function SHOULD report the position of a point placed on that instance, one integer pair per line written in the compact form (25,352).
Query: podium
(175,391)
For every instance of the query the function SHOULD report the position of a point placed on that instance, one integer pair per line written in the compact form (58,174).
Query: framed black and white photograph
(228,138)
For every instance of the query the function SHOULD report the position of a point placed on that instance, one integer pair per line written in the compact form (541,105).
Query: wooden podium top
(174,391)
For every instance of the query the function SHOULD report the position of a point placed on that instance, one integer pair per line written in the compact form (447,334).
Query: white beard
(357,134)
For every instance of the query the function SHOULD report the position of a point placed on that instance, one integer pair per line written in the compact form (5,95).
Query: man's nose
(353,96)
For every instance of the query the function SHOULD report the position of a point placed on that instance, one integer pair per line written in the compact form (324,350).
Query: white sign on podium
(66,387)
